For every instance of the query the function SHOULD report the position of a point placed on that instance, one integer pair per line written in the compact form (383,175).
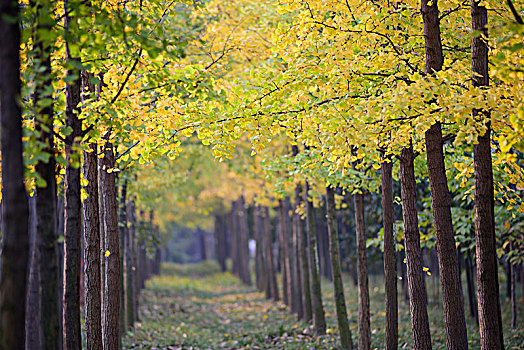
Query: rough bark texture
(111,253)
(455,322)
(122,226)
(319,320)
(364,325)
(46,198)
(268,245)
(513,295)
(390,259)
(92,267)
(338,288)
(15,209)
(415,275)
(72,219)
(471,288)
(33,336)
(490,321)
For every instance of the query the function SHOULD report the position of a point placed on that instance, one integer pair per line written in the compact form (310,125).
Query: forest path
(197,307)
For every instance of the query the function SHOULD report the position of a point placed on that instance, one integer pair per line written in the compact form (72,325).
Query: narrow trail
(194,308)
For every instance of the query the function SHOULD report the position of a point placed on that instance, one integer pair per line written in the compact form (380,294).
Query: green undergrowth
(197,307)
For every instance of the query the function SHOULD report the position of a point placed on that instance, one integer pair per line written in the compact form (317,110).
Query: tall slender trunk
(415,275)
(297,263)
(15,208)
(338,288)
(130,264)
(513,269)
(33,336)
(47,239)
(244,242)
(111,252)
(452,300)
(284,267)
(92,247)
(220,238)
(234,238)
(304,263)
(268,245)
(122,226)
(390,259)
(72,205)
(471,288)
(490,320)
(261,269)
(364,323)
(317,308)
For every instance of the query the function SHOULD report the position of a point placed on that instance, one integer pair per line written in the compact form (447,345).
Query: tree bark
(297,263)
(471,288)
(244,242)
(304,263)
(33,336)
(490,321)
(284,267)
(15,208)
(455,322)
(268,245)
(72,216)
(338,288)
(220,238)
(234,239)
(415,275)
(122,226)
(261,269)
(111,326)
(364,323)
(390,258)
(317,308)
(47,239)
(513,295)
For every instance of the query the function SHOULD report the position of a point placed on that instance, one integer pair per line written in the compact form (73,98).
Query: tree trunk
(512,292)
(319,320)
(455,322)
(234,239)
(122,226)
(261,273)
(111,252)
(304,263)
(33,336)
(244,242)
(92,248)
(297,263)
(471,289)
(47,239)
(220,238)
(72,216)
(130,264)
(415,275)
(15,208)
(284,267)
(268,245)
(338,288)
(490,321)
(364,326)
(390,259)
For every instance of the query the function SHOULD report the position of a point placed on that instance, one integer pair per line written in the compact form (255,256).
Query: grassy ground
(197,307)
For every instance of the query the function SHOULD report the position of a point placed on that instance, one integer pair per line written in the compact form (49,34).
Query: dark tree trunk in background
(15,209)
(111,326)
(297,263)
(284,266)
(92,247)
(244,242)
(471,288)
(130,264)
(72,216)
(338,288)
(513,269)
(268,245)
(102,216)
(47,238)
(234,239)
(220,241)
(490,321)
(122,227)
(317,308)
(390,259)
(261,269)
(203,248)
(303,255)
(33,336)
(323,246)
(415,275)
